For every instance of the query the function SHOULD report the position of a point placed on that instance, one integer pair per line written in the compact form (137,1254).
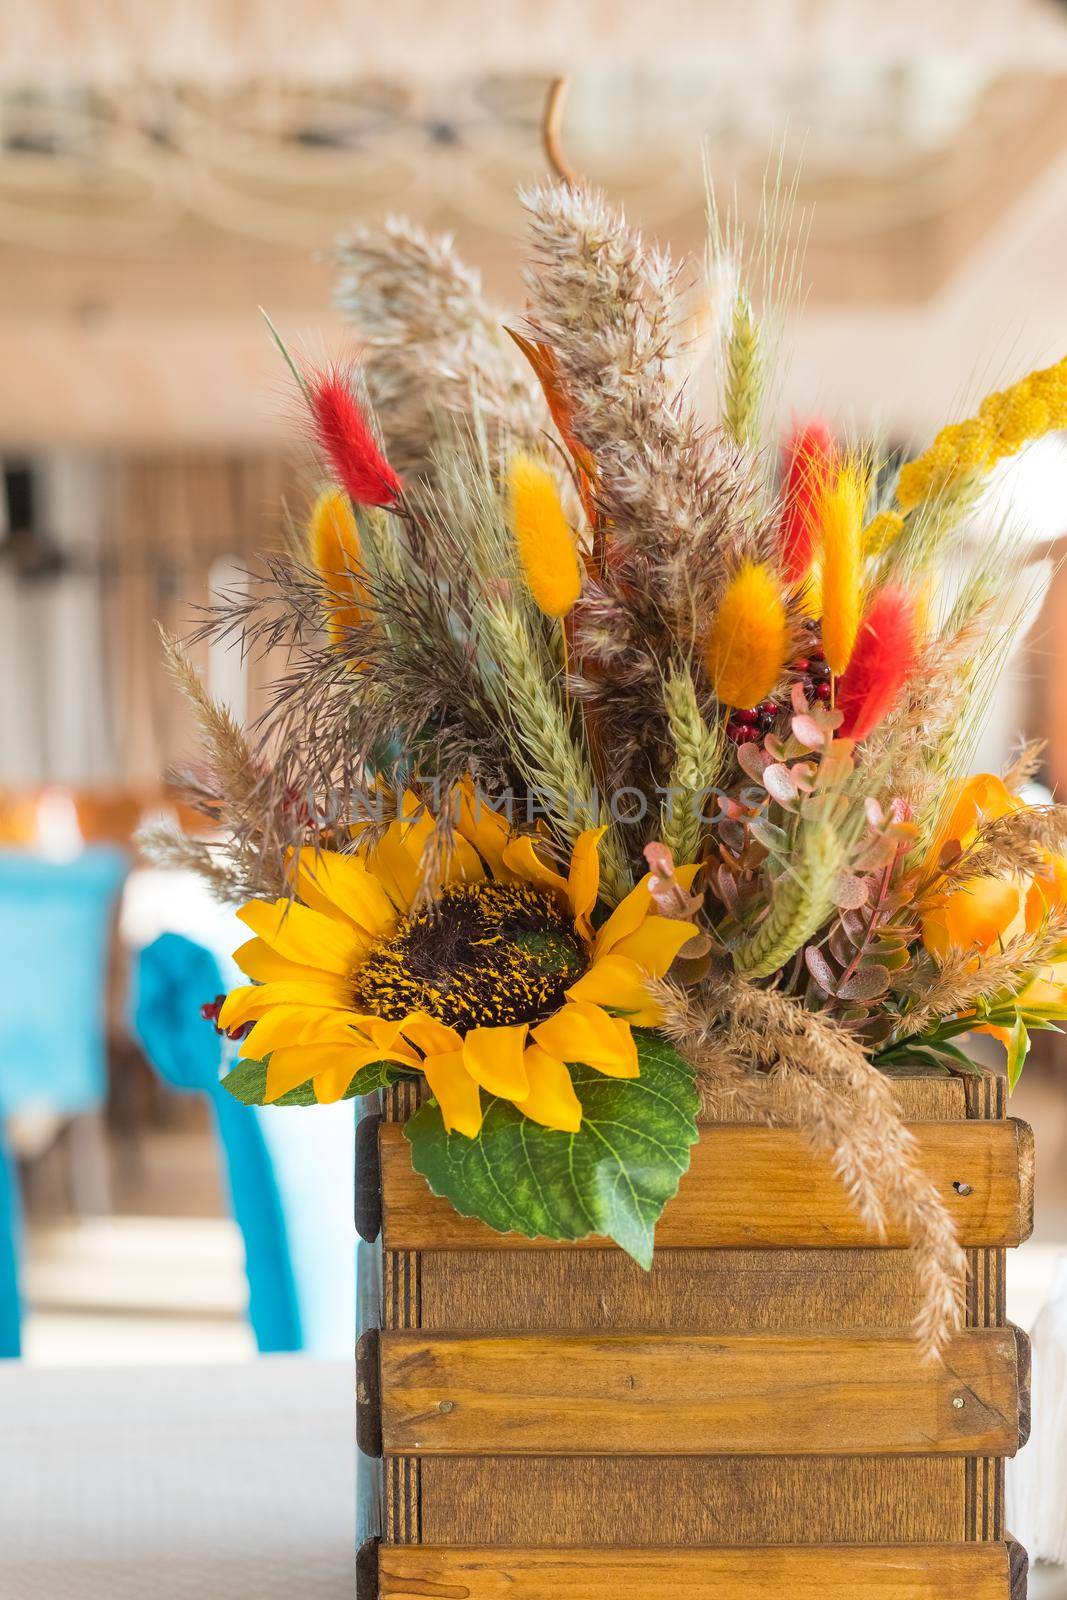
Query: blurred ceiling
(165,169)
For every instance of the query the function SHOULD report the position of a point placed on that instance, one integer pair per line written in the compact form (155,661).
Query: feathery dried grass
(963,980)
(435,349)
(818,1077)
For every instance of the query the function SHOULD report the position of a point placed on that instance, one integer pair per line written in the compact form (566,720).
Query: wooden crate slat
(829,1572)
(756,1187)
(756,1394)
(700,1500)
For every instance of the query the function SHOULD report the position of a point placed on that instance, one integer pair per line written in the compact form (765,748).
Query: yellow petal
(264,965)
(464,864)
(487,830)
(331,882)
(583,883)
(619,983)
(255,999)
(397,860)
(293,1065)
(493,1057)
(305,936)
(551,1100)
(299,1024)
(455,1092)
(429,1035)
(655,943)
(521,857)
(331,1085)
(632,911)
(583,1032)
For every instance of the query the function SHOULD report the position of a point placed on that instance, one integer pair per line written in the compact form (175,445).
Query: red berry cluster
(811,671)
(212,1009)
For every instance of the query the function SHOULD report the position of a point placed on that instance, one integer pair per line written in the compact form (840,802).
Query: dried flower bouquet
(612,770)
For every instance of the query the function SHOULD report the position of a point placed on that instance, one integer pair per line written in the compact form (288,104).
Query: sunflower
(496,984)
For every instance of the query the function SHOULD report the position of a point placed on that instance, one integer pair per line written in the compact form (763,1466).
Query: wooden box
(748,1418)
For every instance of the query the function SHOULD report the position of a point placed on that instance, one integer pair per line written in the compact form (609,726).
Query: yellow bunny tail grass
(842,521)
(334,551)
(543,539)
(749,638)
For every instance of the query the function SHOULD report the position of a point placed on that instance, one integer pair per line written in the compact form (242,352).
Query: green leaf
(248,1083)
(613,1177)
(1018,1049)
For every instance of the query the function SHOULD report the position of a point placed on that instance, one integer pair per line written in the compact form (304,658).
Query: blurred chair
(290,1175)
(55,935)
(10,1233)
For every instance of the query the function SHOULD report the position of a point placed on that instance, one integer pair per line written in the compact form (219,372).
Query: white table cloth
(220,1483)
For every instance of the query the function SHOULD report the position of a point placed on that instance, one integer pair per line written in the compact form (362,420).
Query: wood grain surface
(759,1188)
(831,1572)
(656,1394)
(702,1500)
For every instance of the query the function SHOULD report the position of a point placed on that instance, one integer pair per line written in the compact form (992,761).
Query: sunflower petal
(655,943)
(455,1091)
(264,965)
(583,880)
(299,1024)
(524,862)
(254,1000)
(330,882)
(429,1035)
(308,937)
(487,830)
(619,983)
(551,1100)
(493,1057)
(583,1032)
(637,905)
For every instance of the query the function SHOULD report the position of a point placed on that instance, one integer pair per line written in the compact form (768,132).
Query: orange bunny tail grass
(543,539)
(842,523)
(346,439)
(748,643)
(884,658)
(810,458)
(333,550)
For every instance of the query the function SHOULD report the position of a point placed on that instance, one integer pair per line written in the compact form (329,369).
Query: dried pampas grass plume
(345,437)
(883,660)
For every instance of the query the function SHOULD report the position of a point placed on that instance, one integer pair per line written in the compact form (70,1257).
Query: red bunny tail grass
(810,455)
(345,437)
(882,661)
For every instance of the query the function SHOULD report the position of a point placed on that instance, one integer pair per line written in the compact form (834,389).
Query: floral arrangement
(618,768)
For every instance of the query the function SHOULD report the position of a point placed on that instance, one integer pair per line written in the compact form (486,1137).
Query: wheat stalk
(744,377)
(699,755)
(552,760)
(799,904)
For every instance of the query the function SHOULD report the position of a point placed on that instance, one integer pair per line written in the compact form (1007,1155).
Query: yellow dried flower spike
(1006,421)
(882,531)
(747,645)
(842,522)
(543,538)
(334,551)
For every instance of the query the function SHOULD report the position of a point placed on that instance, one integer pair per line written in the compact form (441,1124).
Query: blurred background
(164,171)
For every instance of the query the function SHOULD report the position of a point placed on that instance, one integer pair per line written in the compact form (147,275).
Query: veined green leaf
(613,1177)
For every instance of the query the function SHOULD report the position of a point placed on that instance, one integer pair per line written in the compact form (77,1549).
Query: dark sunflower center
(483,955)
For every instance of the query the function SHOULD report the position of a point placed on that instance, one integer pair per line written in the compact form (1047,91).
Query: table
(194,1483)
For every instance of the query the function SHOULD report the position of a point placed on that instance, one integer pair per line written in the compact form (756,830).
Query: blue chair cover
(174,978)
(55,922)
(54,941)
